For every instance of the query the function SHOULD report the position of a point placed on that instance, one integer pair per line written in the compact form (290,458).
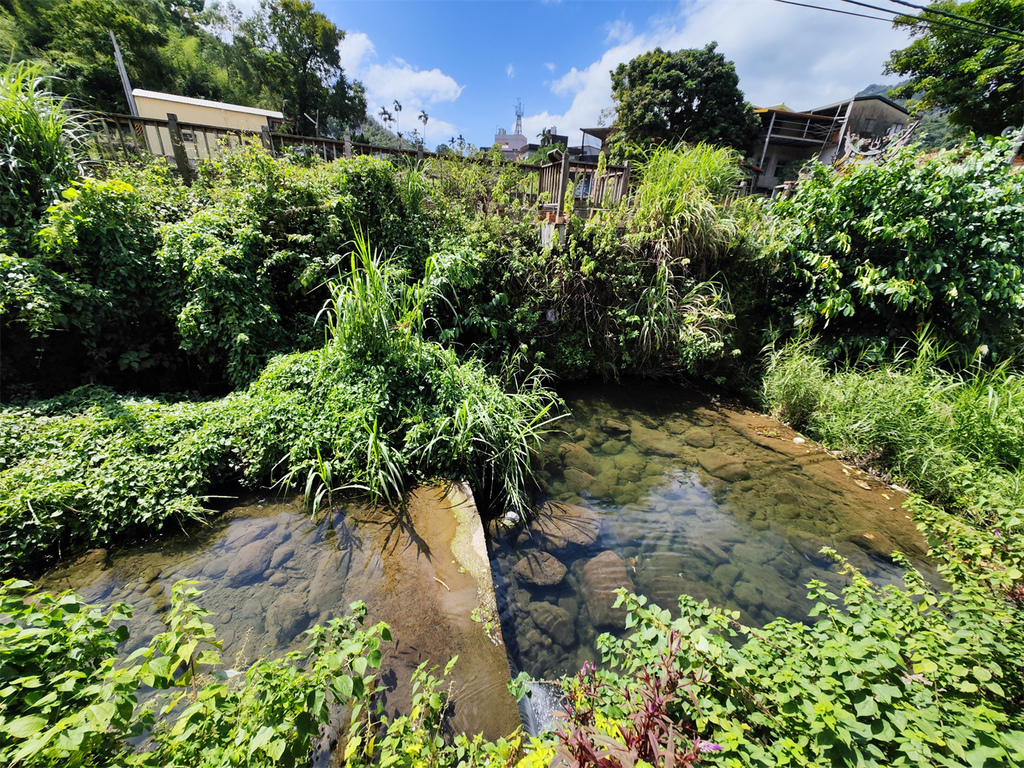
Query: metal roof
(140,93)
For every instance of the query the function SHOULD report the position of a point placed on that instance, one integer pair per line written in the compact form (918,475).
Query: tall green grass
(42,145)
(681,203)
(956,438)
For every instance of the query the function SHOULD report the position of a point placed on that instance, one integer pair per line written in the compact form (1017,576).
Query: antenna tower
(519,117)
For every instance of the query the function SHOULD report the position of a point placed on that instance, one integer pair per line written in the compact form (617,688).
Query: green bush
(92,707)
(875,251)
(884,677)
(375,410)
(93,468)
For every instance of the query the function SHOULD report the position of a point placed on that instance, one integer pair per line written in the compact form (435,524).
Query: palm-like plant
(423,118)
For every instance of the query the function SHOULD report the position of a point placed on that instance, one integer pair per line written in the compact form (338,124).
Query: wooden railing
(187,144)
(591,190)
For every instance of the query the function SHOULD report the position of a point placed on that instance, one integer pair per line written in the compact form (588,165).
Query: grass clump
(956,438)
(42,147)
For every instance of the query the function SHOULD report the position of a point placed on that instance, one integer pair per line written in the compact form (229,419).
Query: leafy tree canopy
(283,55)
(977,74)
(692,94)
(295,49)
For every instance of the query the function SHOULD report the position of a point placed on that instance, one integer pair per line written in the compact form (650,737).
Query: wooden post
(563,183)
(623,182)
(178,145)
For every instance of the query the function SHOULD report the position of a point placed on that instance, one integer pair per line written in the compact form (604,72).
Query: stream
(665,492)
(648,487)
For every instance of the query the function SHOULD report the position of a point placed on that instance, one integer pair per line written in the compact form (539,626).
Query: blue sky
(466,62)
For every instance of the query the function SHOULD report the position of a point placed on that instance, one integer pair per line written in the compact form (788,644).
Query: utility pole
(124,76)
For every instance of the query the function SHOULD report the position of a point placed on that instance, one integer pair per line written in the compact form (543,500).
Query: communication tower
(519,117)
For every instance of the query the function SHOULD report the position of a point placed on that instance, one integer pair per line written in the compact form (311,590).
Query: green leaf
(25,727)
(263,735)
(342,687)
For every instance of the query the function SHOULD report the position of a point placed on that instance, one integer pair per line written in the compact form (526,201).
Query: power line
(921,20)
(834,10)
(891,19)
(969,20)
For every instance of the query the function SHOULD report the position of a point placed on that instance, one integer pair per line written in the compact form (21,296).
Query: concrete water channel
(647,488)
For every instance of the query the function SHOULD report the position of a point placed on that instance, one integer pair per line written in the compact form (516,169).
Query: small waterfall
(541,708)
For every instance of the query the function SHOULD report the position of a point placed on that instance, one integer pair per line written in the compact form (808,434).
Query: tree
(975,73)
(692,94)
(295,49)
(80,55)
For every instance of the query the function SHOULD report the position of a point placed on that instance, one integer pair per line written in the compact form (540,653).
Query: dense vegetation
(360,326)
(283,55)
(871,255)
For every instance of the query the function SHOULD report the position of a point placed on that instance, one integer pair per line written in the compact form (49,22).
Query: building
(155,105)
(790,138)
(589,150)
(195,114)
(511,144)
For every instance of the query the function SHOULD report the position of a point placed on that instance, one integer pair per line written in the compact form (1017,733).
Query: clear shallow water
(266,571)
(668,494)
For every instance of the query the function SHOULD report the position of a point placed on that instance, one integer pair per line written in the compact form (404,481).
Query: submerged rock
(699,438)
(725,575)
(578,457)
(599,579)
(554,622)
(615,427)
(540,568)
(653,441)
(286,617)
(328,586)
(560,524)
(578,480)
(613,447)
(723,466)
(250,561)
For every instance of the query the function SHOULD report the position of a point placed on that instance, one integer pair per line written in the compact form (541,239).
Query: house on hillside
(195,114)
(789,138)
(156,105)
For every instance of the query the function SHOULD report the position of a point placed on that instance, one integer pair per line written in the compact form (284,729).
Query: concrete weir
(439,601)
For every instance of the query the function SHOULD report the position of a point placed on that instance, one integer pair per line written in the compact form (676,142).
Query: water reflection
(680,495)
(267,572)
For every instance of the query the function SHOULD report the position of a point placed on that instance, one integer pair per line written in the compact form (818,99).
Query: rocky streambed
(648,488)
(268,572)
(666,493)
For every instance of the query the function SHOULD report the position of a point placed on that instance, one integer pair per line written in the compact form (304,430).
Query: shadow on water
(664,492)
(268,573)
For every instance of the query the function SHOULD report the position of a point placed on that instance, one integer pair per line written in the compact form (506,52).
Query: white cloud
(412,87)
(355,49)
(804,57)
(550,65)
(399,80)
(510,70)
(619,31)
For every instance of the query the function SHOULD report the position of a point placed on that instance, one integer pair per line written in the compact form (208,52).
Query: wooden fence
(591,190)
(187,144)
